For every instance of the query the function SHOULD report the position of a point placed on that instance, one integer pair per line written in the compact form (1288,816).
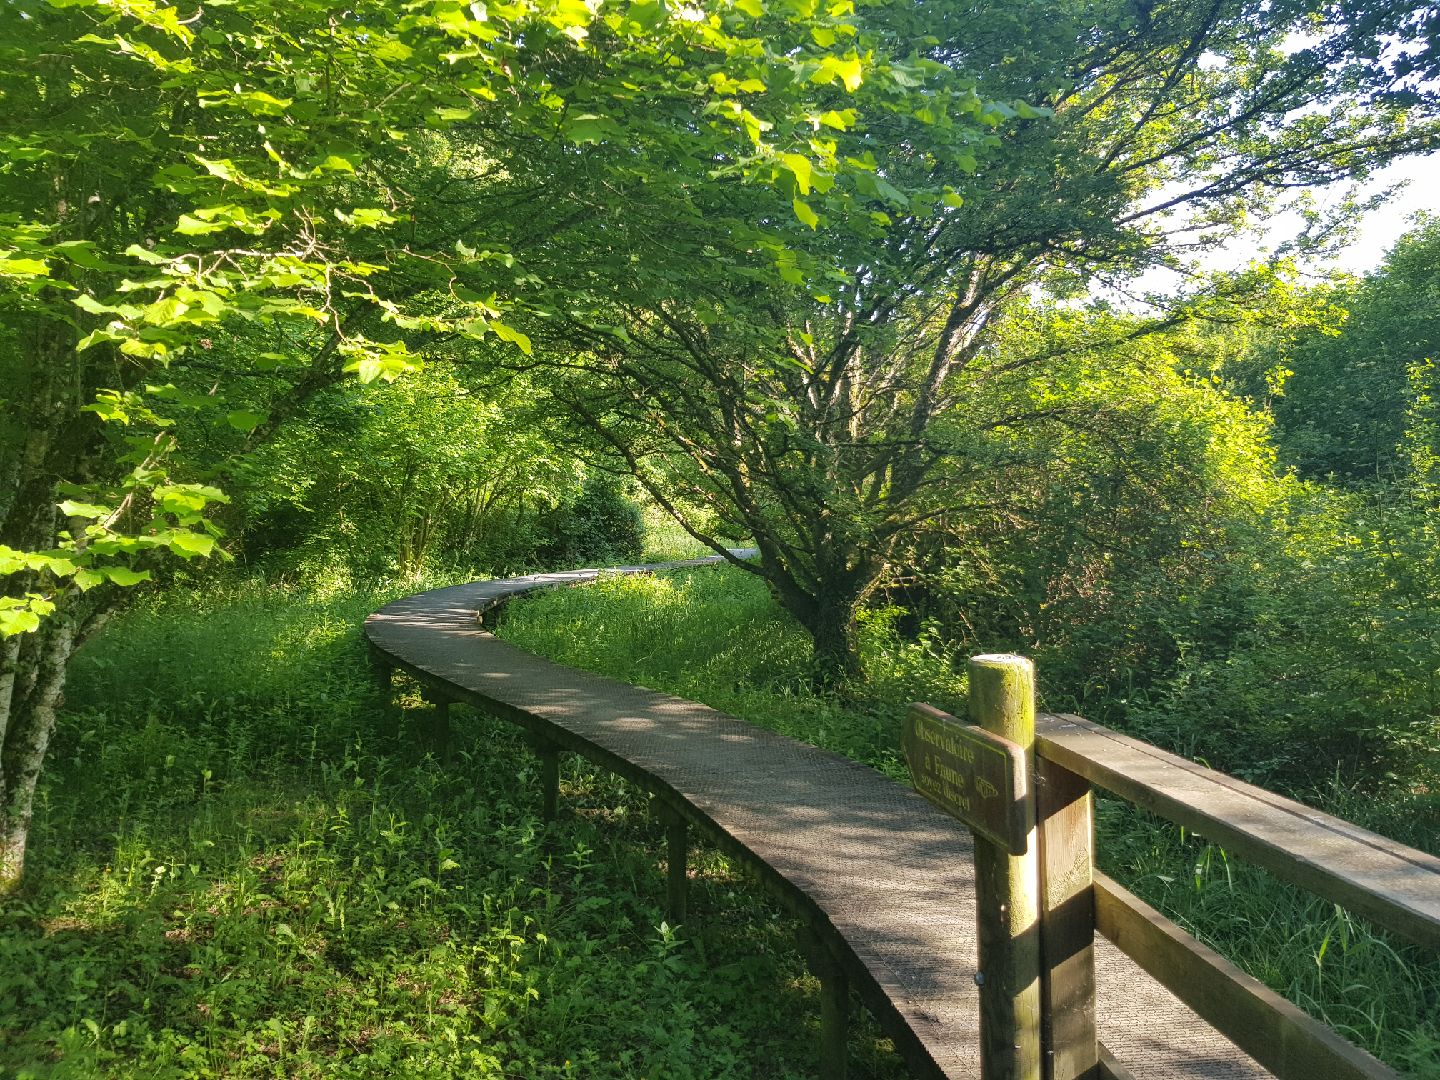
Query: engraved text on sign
(970,773)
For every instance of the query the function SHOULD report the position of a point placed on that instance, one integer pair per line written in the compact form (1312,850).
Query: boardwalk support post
(1007,889)
(834,1003)
(1065,823)
(383,671)
(677,847)
(549,755)
(440,730)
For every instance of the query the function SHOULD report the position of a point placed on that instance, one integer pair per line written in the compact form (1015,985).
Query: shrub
(598,526)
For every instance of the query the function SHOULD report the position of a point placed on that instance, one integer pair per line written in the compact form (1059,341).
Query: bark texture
(36,684)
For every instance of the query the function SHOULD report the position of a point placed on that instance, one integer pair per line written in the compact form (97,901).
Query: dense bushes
(598,526)
(1169,577)
(1343,411)
(425,472)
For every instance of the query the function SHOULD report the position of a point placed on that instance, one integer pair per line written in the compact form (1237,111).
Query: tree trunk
(34,675)
(829,619)
(835,656)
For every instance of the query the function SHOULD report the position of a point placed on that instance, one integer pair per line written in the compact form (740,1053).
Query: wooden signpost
(970,774)
(982,777)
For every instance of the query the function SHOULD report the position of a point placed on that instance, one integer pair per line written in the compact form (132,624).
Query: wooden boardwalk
(886,880)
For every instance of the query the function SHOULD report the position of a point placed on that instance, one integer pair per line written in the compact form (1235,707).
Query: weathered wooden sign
(970,773)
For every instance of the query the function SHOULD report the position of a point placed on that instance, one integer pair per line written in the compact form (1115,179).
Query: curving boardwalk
(884,879)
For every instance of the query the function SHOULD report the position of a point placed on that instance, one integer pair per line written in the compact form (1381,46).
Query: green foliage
(1343,409)
(1108,548)
(243,869)
(815,416)
(598,526)
(217,218)
(422,471)
(1330,665)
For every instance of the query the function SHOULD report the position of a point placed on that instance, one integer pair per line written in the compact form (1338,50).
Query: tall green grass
(242,867)
(715,636)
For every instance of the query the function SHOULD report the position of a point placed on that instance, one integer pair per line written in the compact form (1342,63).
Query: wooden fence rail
(1041,903)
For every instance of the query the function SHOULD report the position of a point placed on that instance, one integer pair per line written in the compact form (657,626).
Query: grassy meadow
(242,868)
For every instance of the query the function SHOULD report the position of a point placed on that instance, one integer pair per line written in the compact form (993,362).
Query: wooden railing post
(1065,827)
(383,672)
(550,781)
(1007,889)
(440,730)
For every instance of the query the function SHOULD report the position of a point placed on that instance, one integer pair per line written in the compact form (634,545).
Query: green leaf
(366,217)
(82,253)
(335,163)
(589,128)
(753,8)
(124,576)
(135,251)
(255,102)
(21,621)
(86,302)
(647,15)
(245,420)
(849,71)
(71,508)
(165,311)
(800,166)
(890,193)
(190,225)
(12,561)
(369,368)
(509,333)
(224,169)
(391,49)
(57,565)
(23,267)
(191,545)
(88,579)
(805,214)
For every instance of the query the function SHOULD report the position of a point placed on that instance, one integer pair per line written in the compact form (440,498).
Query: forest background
(338,303)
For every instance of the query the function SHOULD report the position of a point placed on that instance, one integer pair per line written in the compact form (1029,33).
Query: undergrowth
(243,867)
(715,636)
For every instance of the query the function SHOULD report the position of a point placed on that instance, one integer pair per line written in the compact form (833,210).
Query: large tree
(225,211)
(811,412)
(1346,392)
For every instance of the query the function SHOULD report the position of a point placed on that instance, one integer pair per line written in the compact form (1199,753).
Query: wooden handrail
(1280,1036)
(1395,886)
